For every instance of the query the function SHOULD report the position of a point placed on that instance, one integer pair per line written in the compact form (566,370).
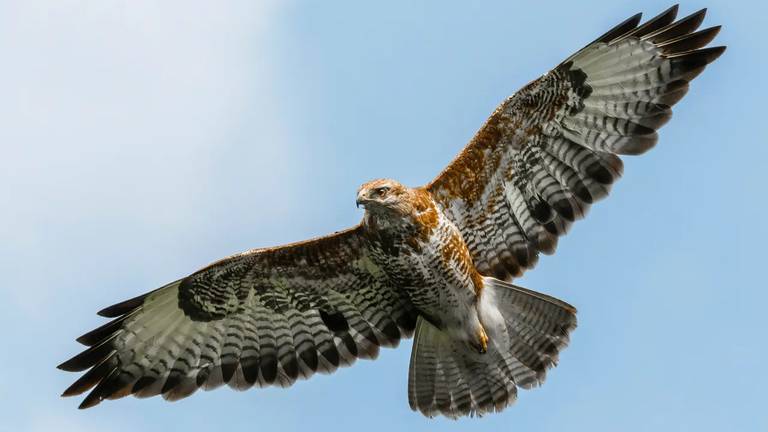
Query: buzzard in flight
(435,260)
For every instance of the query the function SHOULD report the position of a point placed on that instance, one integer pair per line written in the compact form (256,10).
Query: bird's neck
(417,224)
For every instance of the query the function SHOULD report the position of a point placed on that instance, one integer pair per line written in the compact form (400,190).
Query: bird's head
(384,196)
(391,204)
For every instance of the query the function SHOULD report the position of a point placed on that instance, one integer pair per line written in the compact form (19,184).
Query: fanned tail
(526,330)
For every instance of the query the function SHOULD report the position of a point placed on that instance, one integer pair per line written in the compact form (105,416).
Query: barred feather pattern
(440,253)
(552,149)
(449,379)
(261,318)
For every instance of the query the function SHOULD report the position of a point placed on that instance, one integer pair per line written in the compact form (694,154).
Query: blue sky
(141,140)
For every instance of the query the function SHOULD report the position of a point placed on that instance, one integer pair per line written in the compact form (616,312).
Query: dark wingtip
(690,41)
(681,27)
(706,55)
(88,358)
(714,53)
(70,365)
(103,332)
(668,15)
(84,340)
(620,29)
(661,20)
(671,11)
(697,17)
(69,392)
(89,402)
(123,307)
(634,19)
(627,25)
(106,387)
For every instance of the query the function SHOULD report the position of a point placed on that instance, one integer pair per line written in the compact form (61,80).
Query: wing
(550,150)
(264,317)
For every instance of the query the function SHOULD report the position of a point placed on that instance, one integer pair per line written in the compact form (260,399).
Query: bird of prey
(434,260)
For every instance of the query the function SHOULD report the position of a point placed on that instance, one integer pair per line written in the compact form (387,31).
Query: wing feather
(551,150)
(264,317)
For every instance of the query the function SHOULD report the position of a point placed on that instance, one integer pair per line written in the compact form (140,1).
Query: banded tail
(526,330)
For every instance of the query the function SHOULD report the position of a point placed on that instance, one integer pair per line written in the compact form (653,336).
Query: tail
(526,331)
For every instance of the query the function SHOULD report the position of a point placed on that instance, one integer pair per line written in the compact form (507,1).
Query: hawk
(434,260)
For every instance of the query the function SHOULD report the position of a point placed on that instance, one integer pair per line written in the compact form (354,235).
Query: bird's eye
(382,190)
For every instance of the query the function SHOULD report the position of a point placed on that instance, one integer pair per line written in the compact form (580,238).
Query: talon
(483,346)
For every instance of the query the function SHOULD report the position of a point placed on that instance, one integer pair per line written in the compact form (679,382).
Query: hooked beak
(361,200)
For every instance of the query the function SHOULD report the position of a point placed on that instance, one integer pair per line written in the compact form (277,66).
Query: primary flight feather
(435,259)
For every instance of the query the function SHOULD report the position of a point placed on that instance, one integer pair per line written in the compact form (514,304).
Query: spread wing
(264,317)
(551,150)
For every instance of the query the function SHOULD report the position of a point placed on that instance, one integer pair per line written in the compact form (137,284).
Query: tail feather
(446,377)
(526,331)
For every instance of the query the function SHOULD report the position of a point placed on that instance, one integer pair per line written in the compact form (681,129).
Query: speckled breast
(434,268)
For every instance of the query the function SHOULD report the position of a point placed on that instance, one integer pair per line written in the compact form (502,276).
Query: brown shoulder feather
(551,150)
